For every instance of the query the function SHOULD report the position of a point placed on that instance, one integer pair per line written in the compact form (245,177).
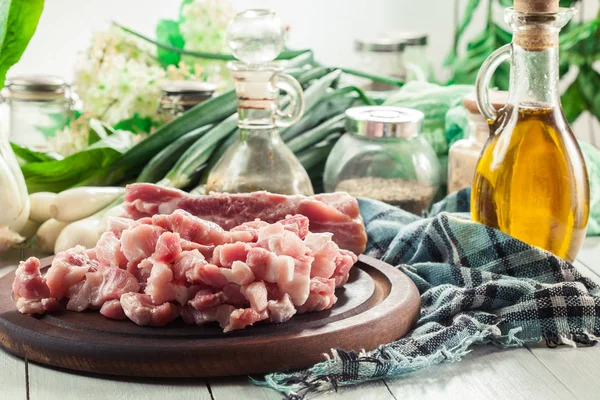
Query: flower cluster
(204,27)
(72,138)
(119,77)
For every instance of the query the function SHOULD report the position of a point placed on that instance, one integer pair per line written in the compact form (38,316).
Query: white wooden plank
(13,383)
(576,368)
(590,254)
(486,373)
(585,271)
(239,388)
(51,384)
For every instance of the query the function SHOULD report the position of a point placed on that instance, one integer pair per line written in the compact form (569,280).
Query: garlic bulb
(14,199)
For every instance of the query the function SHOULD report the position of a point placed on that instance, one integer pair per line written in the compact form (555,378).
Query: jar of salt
(383,156)
(464,153)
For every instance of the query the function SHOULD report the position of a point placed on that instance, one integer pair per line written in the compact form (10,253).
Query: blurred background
(329,27)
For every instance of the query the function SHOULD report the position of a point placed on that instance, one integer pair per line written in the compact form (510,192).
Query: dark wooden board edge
(394,315)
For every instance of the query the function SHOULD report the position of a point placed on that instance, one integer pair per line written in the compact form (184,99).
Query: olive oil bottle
(531,181)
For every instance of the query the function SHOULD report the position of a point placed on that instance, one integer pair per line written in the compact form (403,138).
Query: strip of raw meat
(321,295)
(206,250)
(324,251)
(242,317)
(298,288)
(112,309)
(337,213)
(140,309)
(256,293)
(194,317)
(139,242)
(168,247)
(234,296)
(117,225)
(160,285)
(69,268)
(206,299)
(343,263)
(184,265)
(108,251)
(268,267)
(240,273)
(225,255)
(85,292)
(30,290)
(281,310)
(281,242)
(297,224)
(115,282)
(191,228)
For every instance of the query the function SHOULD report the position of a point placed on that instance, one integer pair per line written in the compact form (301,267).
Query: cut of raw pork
(337,213)
(158,268)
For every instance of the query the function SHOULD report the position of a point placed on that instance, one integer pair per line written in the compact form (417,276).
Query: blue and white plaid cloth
(478,285)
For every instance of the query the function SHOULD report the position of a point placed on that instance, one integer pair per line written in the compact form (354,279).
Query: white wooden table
(529,373)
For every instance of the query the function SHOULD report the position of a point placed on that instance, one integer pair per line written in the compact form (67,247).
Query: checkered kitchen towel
(477,286)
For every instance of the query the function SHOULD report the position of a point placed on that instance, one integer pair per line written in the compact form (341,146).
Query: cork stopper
(536,6)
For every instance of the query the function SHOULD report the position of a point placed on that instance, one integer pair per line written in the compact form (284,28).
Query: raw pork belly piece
(140,309)
(337,213)
(158,268)
(30,291)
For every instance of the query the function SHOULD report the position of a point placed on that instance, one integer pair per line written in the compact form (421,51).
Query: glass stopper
(256,36)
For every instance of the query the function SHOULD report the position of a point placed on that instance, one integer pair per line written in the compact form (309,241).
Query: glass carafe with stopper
(259,159)
(531,181)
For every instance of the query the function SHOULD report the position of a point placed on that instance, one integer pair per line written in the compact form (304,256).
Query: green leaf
(460,30)
(57,122)
(167,31)
(573,102)
(28,155)
(56,176)
(135,124)
(589,82)
(18,21)
(465,70)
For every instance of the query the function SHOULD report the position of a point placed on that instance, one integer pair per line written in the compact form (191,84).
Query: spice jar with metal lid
(39,107)
(381,56)
(383,156)
(464,153)
(415,59)
(179,96)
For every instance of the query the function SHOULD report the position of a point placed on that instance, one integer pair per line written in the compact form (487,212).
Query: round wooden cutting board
(378,304)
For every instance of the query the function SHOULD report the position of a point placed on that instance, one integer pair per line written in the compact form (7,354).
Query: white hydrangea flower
(119,77)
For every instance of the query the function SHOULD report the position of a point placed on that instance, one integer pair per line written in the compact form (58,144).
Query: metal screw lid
(410,38)
(189,87)
(35,87)
(380,45)
(384,121)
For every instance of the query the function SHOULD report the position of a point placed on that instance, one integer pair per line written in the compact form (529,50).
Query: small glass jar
(179,96)
(415,59)
(381,56)
(464,153)
(39,106)
(383,156)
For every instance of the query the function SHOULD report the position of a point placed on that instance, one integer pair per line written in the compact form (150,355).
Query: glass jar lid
(380,45)
(384,121)
(183,95)
(35,87)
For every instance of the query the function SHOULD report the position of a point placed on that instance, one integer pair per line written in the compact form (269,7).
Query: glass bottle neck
(259,134)
(534,77)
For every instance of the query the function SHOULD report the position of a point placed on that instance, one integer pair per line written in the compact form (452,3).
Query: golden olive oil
(531,181)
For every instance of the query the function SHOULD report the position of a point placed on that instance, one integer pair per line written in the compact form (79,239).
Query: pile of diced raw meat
(168,263)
